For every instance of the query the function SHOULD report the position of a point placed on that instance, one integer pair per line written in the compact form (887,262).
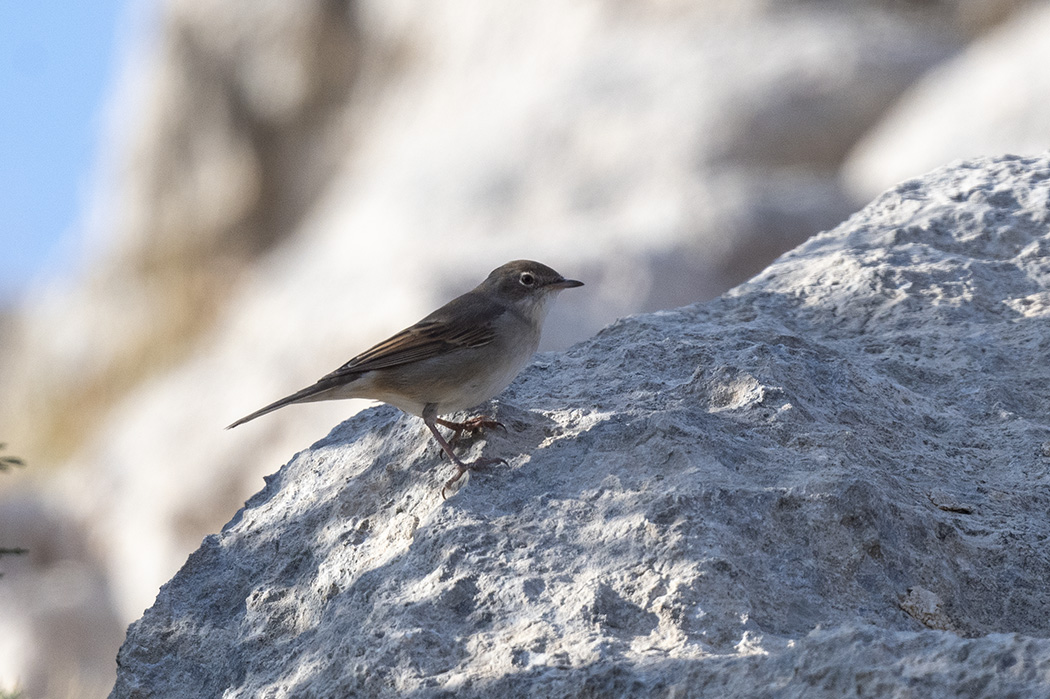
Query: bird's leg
(432,421)
(481,422)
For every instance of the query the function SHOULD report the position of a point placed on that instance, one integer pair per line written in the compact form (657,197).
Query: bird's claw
(471,425)
(476,465)
(482,422)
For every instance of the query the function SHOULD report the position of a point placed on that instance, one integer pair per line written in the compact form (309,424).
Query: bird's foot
(474,424)
(461,468)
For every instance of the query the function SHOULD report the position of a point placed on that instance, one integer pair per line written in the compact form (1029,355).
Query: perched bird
(456,358)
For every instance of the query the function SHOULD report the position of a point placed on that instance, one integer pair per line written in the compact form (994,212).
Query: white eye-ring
(527,279)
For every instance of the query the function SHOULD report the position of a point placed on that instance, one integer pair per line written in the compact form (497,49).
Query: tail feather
(305,395)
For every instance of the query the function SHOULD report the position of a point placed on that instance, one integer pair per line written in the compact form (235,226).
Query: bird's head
(528,285)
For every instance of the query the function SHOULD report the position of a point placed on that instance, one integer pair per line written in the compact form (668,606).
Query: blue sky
(58,61)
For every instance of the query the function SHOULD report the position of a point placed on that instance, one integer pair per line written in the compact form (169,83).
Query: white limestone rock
(736,497)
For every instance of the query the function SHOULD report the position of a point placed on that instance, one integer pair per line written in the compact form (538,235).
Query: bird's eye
(527,279)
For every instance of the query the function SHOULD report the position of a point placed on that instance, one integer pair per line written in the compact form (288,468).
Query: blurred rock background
(287,183)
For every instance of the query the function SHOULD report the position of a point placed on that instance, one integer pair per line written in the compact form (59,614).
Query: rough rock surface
(831,481)
(282,159)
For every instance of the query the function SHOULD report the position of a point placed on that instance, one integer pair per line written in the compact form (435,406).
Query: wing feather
(464,322)
(440,332)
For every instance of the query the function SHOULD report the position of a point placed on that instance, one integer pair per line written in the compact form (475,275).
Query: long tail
(308,394)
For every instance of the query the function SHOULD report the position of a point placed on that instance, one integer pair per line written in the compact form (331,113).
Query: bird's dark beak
(566,284)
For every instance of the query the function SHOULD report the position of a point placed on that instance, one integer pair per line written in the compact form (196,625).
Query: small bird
(456,358)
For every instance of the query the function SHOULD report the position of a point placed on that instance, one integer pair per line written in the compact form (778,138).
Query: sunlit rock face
(831,480)
(287,183)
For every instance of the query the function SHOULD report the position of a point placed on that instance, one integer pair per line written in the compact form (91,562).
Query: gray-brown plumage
(456,358)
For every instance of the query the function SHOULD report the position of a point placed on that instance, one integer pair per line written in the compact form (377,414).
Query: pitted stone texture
(792,490)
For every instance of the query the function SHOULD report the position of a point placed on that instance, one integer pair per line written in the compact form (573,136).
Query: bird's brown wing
(461,323)
(440,332)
